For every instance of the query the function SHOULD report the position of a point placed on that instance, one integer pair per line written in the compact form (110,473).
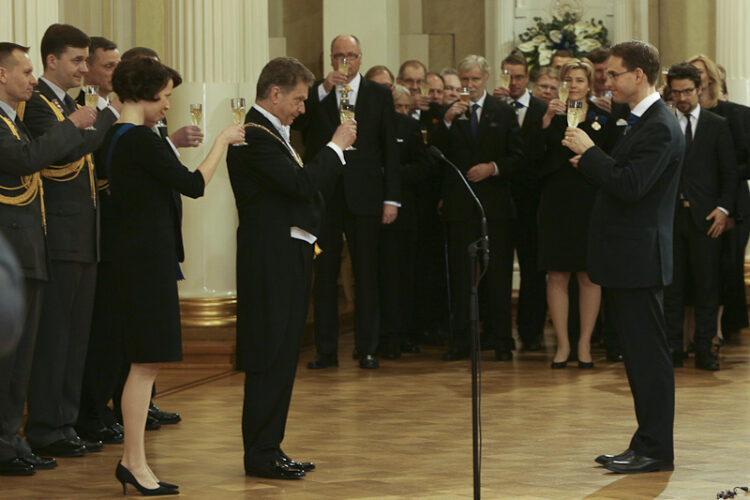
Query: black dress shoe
(93,445)
(152,424)
(62,448)
(40,463)
(323,361)
(503,355)
(275,470)
(16,467)
(585,365)
(558,365)
(117,427)
(456,354)
(104,434)
(533,346)
(706,360)
(636,464)
(305,466)
(409,347)
(605,459)
(368,362)
(164,417)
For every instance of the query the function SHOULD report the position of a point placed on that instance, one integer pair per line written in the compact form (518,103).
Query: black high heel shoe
(558,365)
(168,485)
(126,477)
(585,365)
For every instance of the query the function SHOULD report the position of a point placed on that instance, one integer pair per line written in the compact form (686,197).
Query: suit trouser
(362,235)
(397,248)
(532,295)
(696,259)
(60,353)
(638,316)
(268,393)
(733,298)
(497,282)
(15,370)
(104,356)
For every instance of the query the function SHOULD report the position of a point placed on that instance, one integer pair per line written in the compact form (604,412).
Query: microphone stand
(475,249)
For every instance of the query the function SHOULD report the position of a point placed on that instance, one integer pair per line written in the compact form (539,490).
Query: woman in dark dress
(145,177)
(566,202)
(733,303)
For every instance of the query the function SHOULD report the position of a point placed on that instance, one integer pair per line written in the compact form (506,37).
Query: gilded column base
(209,311)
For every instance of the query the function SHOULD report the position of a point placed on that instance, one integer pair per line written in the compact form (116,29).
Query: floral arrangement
(539,42)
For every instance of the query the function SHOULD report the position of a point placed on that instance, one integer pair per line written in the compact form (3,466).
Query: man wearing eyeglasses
(706,196)
(630,245)
(364,197)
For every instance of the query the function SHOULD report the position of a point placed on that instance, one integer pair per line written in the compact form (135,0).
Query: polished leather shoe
(164,417)
(533,346)
(605,459)
(456,354)
(92,445)
(275,470)
(706,360)
(40,463)
(585,365)
(104,434)
(62,448)
(558,365)
(503,355)
(305,466)
(323,361)
(152,424)
(16,467)
(636,464)
(408,347)
(368,362)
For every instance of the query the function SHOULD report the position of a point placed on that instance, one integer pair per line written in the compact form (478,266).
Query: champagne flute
(563,91)
(346,113)
(196,114)
(344,66)
(464,94)
(424,88)
(91,97)
(575,113)
(505,78)
(238,114)
(664,73)
(424,134)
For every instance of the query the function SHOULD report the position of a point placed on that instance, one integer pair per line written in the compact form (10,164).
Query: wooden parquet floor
(404,431)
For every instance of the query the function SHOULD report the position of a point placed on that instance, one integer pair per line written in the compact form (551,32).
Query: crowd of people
(90,204)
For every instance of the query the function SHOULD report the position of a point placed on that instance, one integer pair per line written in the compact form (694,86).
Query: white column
(631,21)
(732,38)
(219,48)
(25,21)
(374,22)
(499,38)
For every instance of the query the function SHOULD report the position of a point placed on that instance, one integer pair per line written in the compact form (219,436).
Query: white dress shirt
(525,99)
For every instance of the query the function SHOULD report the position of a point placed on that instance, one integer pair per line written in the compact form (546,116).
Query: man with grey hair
(280,208)
(486,147)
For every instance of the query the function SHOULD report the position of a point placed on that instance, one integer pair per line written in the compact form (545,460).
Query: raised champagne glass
(346,113)
(238,114)
(91,98)
(196,114)
(505,78)
(575,113)
(563,91)
(344,66)
(424,88)
(464,94)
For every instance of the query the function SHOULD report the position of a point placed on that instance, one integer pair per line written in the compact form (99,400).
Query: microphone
(484,241)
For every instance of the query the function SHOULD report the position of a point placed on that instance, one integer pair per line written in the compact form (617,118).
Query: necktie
(516,105)
(474,120)
(21,128)
(631,121)
(70,104)
(688,133)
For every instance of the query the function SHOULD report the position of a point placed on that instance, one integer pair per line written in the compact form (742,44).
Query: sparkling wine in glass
(346,113)
(91,98)
(505,78)
(344,66)
(664,73)
(424,88)
(464,94)
(563,90)
(575,113)
(238,114)
(196,114)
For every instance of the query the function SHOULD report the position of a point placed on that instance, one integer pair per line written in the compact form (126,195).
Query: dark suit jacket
(371,175)
(430,118)
(22,226)
(709,173)
(272,193)
(630,234)
(525,183)
(498,139)
(72,220)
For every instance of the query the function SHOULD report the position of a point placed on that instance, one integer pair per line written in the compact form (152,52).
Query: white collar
(281,129)
(8,110)
(694,114)
(60,93)
(354,84)
(525,98)
(481,99)
(646,103)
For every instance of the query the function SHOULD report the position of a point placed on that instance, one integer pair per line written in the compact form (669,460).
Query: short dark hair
(59,37)
(140,52)
(411,63)
(6,51)
(516,59)
(639,54)
(283,72)
(99,42)
(684,71)
(142,78)
(598,55)
(562,53)
(376,70)
(547,71)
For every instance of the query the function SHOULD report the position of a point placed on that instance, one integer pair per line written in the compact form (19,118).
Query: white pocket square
(621,122)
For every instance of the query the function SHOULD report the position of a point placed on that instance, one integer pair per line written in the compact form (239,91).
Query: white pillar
(499,38)
(631,21)
(374,22)
(219,47)
(732,38)
(25,21)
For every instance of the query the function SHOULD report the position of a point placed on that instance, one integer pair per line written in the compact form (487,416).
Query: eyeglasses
(351,56)
(686,92)
(611,75)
